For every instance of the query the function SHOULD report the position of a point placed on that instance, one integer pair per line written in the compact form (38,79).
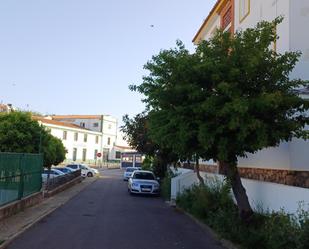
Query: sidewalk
(17,224)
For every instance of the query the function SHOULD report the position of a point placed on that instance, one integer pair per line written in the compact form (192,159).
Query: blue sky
(79,56)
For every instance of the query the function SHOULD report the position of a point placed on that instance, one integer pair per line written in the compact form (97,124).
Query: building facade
(86,136)
(6,108)
(270,173)
(104,124)
(236,15)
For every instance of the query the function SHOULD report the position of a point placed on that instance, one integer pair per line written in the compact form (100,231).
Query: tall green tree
(171,120)
(136,131)
(232,96)
(137,135)
(21,134)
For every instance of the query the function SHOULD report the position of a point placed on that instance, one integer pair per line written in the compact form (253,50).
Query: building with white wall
(84,136)
(235,15)
(81,144)
(6,108)
(106,125)
(287,164)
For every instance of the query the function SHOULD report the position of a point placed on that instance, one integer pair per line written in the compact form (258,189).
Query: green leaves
(19,133)
(233,95)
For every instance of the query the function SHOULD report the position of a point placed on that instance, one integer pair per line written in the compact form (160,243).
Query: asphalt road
(105,216)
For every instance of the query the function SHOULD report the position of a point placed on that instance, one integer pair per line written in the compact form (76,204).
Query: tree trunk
(197,170)
(232,174)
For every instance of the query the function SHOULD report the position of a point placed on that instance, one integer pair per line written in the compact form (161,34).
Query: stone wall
(286,177)
(17,206)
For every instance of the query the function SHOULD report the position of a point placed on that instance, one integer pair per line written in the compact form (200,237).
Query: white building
(121,145)
(84,136)
(104,124)
(7,108)
(234,15)
(267,172)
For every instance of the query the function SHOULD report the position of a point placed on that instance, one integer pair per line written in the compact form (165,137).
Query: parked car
(143,182)
(85,170)
(52,174)
(128,172)
(64,170)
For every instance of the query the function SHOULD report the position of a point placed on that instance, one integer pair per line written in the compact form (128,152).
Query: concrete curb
(7,242)
(226,243)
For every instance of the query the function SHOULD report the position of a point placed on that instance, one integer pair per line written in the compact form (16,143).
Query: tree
(21,134)
(18,133)
(137,133)
(232,96)
(52,149)
(171,123)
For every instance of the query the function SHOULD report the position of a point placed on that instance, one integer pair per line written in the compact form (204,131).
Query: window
(72,166)
(84,154)
(143,176)
(118,154)
(227,18)
(244,9)
(108,140)
(105,154)
(74,154)
(82,124)
(64,135)
(96,139)
(85,138)
(75,136)
(95,124)
(95,154)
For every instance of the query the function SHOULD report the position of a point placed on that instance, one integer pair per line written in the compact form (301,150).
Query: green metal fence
(20,175)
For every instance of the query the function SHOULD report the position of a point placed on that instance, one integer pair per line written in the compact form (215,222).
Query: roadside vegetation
(232,96)
(212,204)
(21,134)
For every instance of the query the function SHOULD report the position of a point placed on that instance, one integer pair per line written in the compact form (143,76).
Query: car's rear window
(143,175)
(130,169)
(73,166)
(64,170)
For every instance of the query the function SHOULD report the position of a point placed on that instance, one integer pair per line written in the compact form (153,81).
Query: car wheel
(89,174)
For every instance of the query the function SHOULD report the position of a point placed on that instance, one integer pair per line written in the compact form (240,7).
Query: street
(104,215)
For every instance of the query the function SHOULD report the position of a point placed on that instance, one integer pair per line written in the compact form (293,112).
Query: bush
(166,185)
(213,204)
(147,163)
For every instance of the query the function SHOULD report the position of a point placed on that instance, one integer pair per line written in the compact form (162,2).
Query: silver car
(143,182)
(128,172)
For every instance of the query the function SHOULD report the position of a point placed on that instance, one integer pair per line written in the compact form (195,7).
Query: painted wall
(89,123)
(299,36)
(267,195)
(210,30)
(70,143)
(109,133)
(294,154)
(274,157)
